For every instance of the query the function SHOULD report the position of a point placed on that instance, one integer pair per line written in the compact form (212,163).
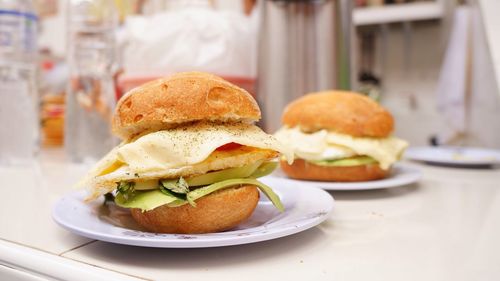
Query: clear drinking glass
(91,92)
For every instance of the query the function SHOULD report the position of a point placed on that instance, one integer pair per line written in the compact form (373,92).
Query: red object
(54,111)
(229,146)
(47,65)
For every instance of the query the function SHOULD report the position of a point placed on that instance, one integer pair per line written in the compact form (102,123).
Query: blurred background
(65,63)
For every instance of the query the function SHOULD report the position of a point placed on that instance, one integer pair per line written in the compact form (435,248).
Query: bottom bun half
(304,170)
(216,212)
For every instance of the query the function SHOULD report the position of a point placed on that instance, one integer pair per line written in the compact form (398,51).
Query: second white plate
(454,156)
(400,175)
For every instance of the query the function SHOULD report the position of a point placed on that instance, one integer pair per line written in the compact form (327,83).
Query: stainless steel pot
(304,46)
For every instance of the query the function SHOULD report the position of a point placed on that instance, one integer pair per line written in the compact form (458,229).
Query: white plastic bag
(187,39)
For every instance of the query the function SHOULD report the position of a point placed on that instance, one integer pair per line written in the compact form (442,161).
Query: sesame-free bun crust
(342,112)
(216,212)
(303,170)
(180,98)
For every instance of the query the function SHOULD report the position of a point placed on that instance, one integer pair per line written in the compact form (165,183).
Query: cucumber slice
(346,162)
(255,170)
(231,173)
(148,200)
(203,191)
(264,169)
(146,185)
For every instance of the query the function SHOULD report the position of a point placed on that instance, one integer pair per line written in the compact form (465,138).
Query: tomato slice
(229,146)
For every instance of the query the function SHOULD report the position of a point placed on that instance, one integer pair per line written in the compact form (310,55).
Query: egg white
(183,151)
(329,145)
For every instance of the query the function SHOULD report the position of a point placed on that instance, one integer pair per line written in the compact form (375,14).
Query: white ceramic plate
(454,156)
(400,175)
(305,208)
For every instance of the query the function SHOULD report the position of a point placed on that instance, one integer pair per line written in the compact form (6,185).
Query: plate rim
(409,154)
(351,186)
(150,239)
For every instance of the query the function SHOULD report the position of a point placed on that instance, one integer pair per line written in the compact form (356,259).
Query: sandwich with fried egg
(339,136)
(190,155)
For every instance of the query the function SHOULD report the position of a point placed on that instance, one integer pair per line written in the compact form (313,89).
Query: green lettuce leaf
(126,189)
(151,199)
(346,162)
(177,186)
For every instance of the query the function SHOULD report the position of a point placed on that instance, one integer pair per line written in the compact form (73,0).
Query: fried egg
(328,145)
(184,151)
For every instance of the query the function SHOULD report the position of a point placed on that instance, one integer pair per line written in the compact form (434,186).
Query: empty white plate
(400,175)
(454,156)
(304,208)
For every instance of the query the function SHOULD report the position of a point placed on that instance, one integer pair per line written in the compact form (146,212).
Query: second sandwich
(339,136)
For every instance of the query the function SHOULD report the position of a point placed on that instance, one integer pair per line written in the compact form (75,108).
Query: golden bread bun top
(342,112)
(183,97)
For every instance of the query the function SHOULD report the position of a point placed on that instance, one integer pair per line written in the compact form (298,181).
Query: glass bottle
(19,125)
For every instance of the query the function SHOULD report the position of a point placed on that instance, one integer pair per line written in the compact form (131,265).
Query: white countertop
(446,227)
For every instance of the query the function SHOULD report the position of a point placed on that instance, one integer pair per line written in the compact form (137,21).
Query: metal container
(304,46)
